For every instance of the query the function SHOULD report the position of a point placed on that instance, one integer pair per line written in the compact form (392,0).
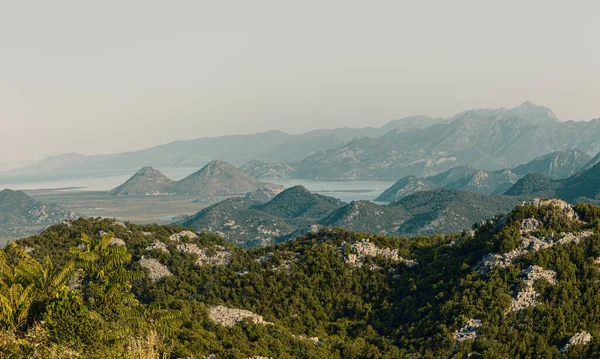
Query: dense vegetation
(81,294)
(296,211)
(580,187)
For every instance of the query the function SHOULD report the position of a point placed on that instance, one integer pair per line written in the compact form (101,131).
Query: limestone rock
(178,236)
(228,317)
(159,246)
(530,225)
(114,241)
(364,248)
(468,331)
(220,255)
(566,208)
(119,224)
(528,244)
(581,338)
(156,270)
(527,297)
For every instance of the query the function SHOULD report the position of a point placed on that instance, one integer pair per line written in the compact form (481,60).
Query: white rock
(468,331)
(114,241)
(566,208)
(362,249)
(228,317)
(527,297)
(581,338)
(178,236)
(529,225)
(528,244)
(220,257)
(159,246)
(156,270)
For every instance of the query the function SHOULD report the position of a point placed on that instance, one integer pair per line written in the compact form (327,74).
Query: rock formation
(364,248)
(468,331)
(212,256)
(156,270)
(229,317)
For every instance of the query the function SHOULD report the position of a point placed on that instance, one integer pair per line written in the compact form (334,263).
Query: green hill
(523,285)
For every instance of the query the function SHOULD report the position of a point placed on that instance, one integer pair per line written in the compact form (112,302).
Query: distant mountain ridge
(487,139)
(558,164)
(216,178)
(147,181)
(269,146)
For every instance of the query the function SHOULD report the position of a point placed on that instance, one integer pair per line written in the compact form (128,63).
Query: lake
(346,191)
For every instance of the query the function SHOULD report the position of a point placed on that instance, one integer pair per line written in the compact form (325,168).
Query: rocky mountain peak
(146,181)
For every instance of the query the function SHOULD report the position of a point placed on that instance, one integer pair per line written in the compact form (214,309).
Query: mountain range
(251,223)
(488,139)
(269,146)
(216,178)
(556,165)
(296,211)
(485,139)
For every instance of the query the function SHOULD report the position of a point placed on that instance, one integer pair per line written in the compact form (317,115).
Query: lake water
(344,190)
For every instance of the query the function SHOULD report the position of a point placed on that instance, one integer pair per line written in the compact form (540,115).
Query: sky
(112,76)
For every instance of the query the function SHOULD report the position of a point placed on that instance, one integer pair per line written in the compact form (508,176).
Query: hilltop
(297,211)
(218,177)
(250,223)
(582,186)
(147,181)
(329,294)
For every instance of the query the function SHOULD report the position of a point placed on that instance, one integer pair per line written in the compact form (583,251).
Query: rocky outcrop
(211,256)
(229,317)
(530,225)
(183,234)
(283,265)
(527,296)
(528,244)
(156,270)
(581,338)
(159,246)
(566,208)
(468,331)
(114,241)
(362,249)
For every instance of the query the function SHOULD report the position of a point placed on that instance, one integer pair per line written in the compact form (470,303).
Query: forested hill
(523,285)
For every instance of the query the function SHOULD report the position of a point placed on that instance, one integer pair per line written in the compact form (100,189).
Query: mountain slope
(22,215)
(268,170)
(217,177)
(147,181)
(582,186)
(298,202)
(330,294)
(485,139)
(405,187)
(559,164)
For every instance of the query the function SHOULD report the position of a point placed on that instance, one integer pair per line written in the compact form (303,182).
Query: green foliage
(383,309)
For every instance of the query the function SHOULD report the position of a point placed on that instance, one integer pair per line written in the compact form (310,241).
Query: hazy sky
(109,76)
